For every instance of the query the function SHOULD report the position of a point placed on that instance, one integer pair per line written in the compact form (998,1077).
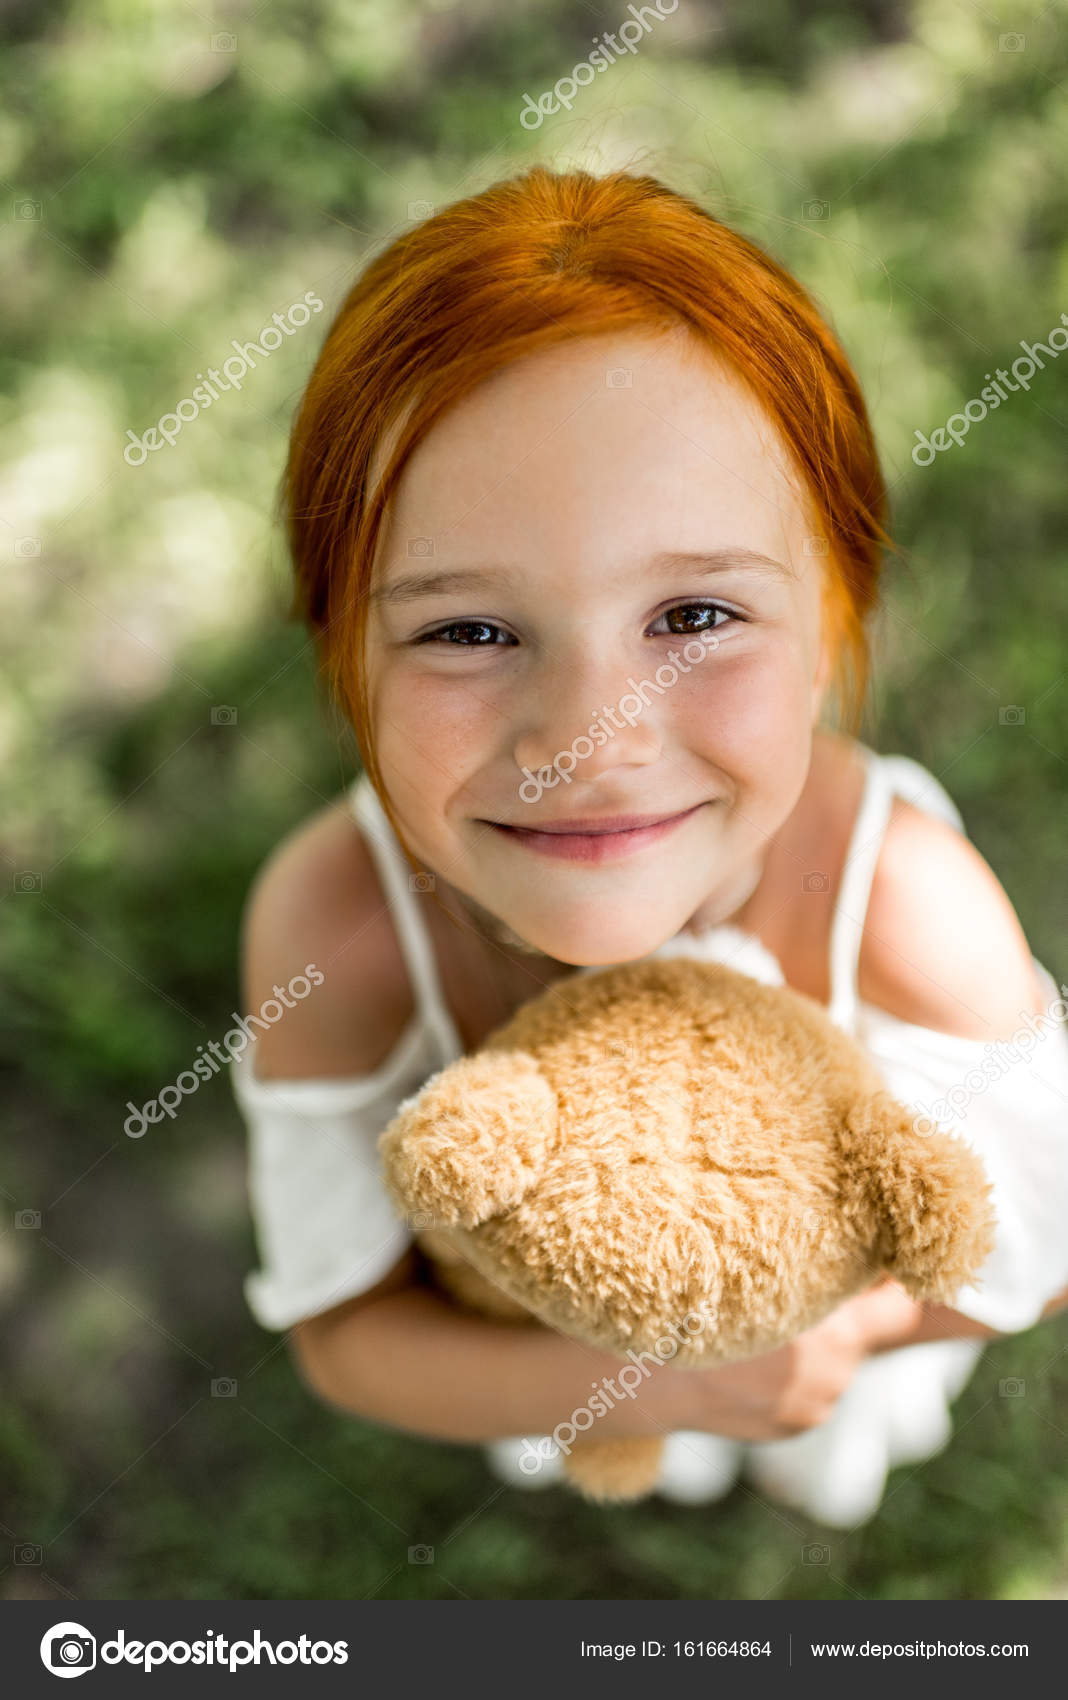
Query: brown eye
(696,617)
(465,642)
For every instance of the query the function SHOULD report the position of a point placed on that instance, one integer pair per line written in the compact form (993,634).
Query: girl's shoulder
(318,899)
(941,946)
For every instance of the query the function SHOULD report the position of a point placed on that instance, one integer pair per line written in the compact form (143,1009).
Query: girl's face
(602,510)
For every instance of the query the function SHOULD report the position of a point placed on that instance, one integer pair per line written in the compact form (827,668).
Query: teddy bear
(677,1163)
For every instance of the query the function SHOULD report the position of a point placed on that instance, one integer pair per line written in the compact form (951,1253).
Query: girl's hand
(885,1315)
(786,1392)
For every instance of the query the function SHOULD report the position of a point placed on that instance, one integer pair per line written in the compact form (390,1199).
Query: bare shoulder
(942,945)
(317,900)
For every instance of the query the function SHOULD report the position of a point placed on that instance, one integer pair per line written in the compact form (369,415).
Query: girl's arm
(406,1356)
(937,920)
(940,1322)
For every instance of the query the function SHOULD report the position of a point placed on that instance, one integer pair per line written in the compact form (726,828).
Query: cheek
(749,712)
(424,716)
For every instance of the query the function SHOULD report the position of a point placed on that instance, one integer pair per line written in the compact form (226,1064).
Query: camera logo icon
(619,378)
(68,1649)
(1012,715)
(814,882)
(420,546)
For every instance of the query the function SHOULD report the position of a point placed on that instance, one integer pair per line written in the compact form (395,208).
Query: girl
(586,518)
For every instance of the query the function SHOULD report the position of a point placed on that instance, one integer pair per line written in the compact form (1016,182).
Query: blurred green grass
(165,197)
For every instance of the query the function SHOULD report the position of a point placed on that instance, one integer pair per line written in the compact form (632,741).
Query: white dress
(326,1228)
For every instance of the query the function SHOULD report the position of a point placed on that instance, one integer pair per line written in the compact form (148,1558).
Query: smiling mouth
(596,826)
(602,842)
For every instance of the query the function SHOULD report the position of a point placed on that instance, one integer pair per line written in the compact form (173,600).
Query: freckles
(435,720)
(749,710)
(413,696)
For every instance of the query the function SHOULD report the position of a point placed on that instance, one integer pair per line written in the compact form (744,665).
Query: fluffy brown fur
(670,1139)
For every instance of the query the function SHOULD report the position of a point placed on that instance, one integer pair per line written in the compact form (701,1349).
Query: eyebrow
(706,563)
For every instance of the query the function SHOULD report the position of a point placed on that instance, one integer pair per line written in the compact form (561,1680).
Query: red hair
(533,261)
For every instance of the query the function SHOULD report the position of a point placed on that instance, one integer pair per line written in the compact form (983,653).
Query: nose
(588,720)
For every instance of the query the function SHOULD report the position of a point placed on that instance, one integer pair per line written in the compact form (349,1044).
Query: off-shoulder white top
(325,1226)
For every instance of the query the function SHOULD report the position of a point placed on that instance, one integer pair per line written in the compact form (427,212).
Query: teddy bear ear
(471,1143)
(922,1201)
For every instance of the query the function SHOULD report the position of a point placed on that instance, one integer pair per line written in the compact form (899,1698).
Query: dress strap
(395,873)
(886,777)
(854,888)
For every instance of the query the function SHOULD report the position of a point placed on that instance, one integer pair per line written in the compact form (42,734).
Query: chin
(601,951)
(499,932)
(521,946)
(564,938)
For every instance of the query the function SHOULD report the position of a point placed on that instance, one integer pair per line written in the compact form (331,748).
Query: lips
(594,825)
(572,841)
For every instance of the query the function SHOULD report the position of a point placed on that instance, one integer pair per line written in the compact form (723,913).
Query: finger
(887,1317)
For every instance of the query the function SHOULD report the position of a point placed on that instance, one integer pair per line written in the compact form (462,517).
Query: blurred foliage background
(171,179)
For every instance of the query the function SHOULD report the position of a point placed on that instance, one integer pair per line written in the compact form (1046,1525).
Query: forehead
(644,437)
